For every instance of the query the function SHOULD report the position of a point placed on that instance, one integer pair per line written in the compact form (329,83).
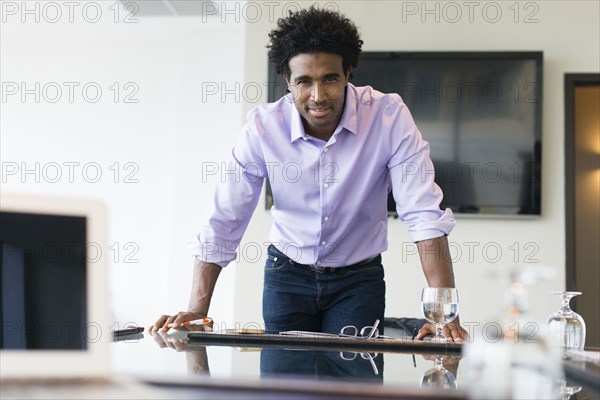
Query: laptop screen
(53,298)
(43,279)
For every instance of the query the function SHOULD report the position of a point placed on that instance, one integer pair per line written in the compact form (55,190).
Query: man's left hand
(452,331)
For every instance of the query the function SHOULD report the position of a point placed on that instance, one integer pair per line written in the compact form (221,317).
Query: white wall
(172,130)
(166,135)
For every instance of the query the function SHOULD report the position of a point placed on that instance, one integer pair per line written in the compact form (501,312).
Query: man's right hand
(178,319)
(203,285)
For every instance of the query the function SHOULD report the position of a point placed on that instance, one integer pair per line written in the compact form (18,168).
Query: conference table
(239,365)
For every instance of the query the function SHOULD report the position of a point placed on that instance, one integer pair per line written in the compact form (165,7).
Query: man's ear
(287,80)
(348,73)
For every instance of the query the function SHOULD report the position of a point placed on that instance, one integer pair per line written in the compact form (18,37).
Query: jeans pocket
(276,263)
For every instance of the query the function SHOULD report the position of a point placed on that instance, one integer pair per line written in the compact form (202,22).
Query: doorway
(582,190)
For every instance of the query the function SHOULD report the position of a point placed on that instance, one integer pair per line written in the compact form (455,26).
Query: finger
(422,333)
(426,330)
(159,340)
(455,333)
(457,336)
(180,345)
(169,320)
(165,337)
(452,333)
(169,344)
(158,324)
(463,334)
(448,333)
(185,316)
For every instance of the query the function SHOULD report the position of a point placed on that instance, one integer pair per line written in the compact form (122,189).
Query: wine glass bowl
(440,306)
(566,326)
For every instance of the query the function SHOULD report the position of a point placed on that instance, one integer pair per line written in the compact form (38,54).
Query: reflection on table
(443,373)
(328,365)
(355,365)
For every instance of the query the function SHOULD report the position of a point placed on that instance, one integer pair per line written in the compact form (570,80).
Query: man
(349,146)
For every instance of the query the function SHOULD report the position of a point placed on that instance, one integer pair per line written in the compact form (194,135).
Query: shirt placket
(327,180)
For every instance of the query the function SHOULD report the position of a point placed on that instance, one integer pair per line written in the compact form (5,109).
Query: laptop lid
(53,280)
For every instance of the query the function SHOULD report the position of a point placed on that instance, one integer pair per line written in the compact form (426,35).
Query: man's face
(317,83)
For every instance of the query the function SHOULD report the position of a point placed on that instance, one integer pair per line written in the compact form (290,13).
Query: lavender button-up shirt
(330,197)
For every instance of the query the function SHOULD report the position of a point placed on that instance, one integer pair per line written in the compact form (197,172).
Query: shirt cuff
(425,230)
(210,252)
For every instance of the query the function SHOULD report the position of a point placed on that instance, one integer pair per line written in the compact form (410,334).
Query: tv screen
(480,113)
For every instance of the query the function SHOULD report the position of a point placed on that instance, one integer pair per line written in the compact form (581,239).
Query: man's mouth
(319,112)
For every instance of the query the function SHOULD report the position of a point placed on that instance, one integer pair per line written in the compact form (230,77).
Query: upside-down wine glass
(438,376)
(566,326)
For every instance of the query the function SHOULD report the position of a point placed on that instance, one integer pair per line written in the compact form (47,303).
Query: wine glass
(440,306)
(566,326)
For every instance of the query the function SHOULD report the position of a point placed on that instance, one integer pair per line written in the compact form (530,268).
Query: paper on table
(334,335)
(253,331)
(309,334)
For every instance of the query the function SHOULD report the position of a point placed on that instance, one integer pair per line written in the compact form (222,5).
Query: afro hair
(312,31)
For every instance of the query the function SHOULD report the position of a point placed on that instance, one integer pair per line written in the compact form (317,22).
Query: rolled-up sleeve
(234,201)
(412,174)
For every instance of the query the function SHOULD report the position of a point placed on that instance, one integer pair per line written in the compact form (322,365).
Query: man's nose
(317,92)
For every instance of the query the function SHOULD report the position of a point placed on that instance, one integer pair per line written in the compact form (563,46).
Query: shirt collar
(349,119)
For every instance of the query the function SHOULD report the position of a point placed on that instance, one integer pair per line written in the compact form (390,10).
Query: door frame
(572,81)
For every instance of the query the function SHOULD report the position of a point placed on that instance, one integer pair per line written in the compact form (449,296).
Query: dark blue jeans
(300,298)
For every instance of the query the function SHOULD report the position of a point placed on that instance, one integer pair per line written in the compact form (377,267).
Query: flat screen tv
(481,113)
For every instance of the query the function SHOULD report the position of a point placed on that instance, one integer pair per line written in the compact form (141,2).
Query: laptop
(53,289)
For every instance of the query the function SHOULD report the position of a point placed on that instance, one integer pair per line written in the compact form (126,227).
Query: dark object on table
(134,332)
(408,325)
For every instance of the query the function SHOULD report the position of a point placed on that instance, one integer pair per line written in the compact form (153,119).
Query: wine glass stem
(566,300)
(438,365)
(439,332)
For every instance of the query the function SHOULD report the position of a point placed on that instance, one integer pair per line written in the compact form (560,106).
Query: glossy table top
(329,368)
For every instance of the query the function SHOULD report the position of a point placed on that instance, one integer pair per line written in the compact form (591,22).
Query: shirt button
(326,218)
(325,150)
(323,243)
(326,185)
